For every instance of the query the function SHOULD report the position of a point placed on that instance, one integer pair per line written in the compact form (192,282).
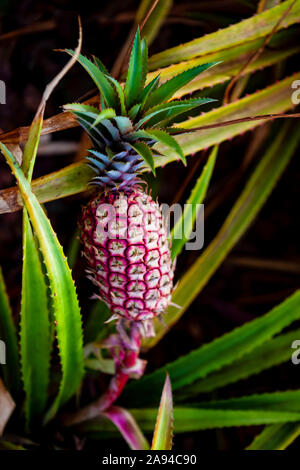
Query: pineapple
(122,231)
(126,245)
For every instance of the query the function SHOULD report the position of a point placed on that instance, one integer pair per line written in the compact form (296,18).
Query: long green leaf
(90,111)
(255,193)
(31,146)
(35,339)
(99,79)
(85,110)
(195,419)
(8,335)
(162,137)
(276,437)
(258,103)
(233,60)
(35,327)
(216,354)
(184,225)
(66,308)
(82,109)
(152,85)
(134,83)
(35,343)
(165,91)
(250,29)
(163,433)
(274,352)
(167,111)
(169,141)
(276,401)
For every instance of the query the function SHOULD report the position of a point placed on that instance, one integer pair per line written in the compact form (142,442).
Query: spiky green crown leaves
(133,117)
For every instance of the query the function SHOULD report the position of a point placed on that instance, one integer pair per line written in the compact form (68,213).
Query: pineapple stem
(128,365)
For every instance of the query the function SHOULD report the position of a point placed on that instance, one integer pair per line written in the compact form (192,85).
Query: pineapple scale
(125,242)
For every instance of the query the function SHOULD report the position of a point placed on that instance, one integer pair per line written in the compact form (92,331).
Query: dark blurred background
(262,269)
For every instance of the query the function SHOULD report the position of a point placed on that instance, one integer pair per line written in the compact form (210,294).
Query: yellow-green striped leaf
(213,356)
(163,433)
(184,225)
(35,345)
(64,298)
(8,335)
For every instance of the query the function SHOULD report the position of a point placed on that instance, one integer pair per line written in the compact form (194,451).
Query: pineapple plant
(122,230)
(34,389)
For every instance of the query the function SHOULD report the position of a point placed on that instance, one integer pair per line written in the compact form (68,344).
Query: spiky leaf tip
(169,88)
(135,72)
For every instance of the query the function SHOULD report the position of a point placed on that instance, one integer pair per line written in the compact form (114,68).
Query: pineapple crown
(132,118)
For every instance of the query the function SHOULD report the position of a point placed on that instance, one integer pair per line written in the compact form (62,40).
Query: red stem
(118,382)
(126,361)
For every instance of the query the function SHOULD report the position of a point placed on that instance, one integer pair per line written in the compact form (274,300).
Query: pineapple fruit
(126,245)
(122,232)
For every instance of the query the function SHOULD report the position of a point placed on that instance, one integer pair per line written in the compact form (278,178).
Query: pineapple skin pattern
(125,243)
